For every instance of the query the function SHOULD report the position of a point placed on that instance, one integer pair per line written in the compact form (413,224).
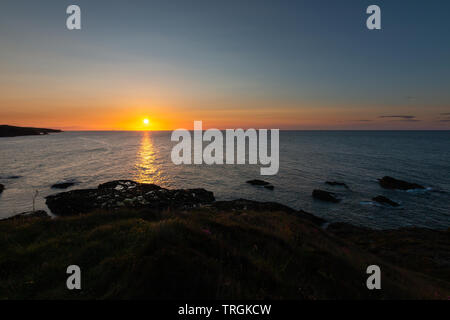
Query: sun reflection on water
(146,167)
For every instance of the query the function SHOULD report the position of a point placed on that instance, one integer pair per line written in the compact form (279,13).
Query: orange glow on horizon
(128,114)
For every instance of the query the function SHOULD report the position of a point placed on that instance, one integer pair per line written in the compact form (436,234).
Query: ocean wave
(419,190)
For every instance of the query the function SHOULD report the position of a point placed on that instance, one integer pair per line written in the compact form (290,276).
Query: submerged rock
(392,183)
(2,187)
(262,183)
(10,177)
(384,200)
(63,185)
(325,196)
(337,183)
(257,182)
(125,193)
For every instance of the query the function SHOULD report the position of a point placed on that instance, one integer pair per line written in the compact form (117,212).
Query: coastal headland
(13,131)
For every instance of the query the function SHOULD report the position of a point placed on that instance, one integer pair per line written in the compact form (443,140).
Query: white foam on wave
(419,190)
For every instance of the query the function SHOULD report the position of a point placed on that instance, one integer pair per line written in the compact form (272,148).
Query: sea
(30,165)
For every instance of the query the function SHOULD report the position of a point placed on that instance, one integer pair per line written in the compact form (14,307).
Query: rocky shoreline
(186,234)
(129,194)
(126,194)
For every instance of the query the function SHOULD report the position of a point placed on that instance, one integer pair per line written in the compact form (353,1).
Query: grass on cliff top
(197,254)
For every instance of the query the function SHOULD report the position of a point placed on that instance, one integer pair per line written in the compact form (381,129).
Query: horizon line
(125,130)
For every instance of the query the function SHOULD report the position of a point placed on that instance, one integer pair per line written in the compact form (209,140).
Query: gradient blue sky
(287,64)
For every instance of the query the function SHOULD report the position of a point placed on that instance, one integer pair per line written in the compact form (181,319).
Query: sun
(146,121)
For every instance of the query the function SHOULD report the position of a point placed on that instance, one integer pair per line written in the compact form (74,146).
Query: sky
(301,65)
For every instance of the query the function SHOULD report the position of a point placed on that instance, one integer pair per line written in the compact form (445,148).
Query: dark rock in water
(63,185)
(10,177)
(384,200)
(126,193)
(249,205)
(392,183)
(257,182)
(337,183)
(325,196)
(2,187)
(28,215)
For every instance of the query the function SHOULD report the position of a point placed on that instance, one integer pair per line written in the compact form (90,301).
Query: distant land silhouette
(12,131)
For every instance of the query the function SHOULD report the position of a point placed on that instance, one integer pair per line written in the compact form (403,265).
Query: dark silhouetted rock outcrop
(126,193)
(325,196)
(63,185)
(337,183)
(257,182)
(384,200)
(392,183)
(262,183)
